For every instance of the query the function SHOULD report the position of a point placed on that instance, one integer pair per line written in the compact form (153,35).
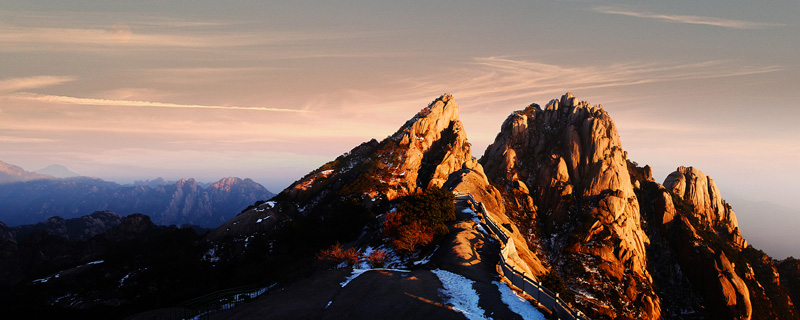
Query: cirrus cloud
(687,19)
(135,103)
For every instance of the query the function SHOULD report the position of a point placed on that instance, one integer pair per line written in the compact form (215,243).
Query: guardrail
(544,296)
(204,307)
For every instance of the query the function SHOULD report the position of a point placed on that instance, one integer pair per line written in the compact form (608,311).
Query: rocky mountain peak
(422,153)
(698,189)
(565,177)
(435,145)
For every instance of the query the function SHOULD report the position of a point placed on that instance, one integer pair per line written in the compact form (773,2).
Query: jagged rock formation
(421,154)
(789,270)
(701,192)
(429,150)
(696,229)
(586,221)
(183,202)
(564,176)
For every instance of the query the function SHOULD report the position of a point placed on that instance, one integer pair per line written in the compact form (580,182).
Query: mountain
(583,221)
(153,183)
(422,153)
(430,150)
(78,229)
(58,171)
(183,202)
(625,246)
(11,173)
(565,180)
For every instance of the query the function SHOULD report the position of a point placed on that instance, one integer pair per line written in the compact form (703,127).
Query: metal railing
(544,296)
(204,307)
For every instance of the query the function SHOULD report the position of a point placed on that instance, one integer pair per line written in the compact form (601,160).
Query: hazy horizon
(128,91)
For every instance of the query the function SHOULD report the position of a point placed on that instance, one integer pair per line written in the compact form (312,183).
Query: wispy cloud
(489,80)
(27,83)
(15,38)
(135,103)
(14,139)
(687,19)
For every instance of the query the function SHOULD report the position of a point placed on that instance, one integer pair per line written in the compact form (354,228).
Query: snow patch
(262,219)
(122,281)
(458,292)
(211,255)
(475,219)
(357,272)
(426,259)
(518,304)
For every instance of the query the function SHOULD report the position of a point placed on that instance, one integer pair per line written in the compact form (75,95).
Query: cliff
(563,174)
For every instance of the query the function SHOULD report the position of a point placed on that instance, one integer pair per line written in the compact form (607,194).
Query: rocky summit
(410,214)
(563,172)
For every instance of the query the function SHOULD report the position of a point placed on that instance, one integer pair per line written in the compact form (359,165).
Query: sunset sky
(126,90)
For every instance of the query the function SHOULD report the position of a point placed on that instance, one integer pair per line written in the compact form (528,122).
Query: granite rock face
(423,153)
(564,175)
(693,186)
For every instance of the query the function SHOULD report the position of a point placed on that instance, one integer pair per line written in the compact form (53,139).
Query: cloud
(27,83)
(687,19)
(132,36)
(13,139)
(135,103)
(488,80)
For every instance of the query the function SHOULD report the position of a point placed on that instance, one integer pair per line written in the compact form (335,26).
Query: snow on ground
(58,274)
(518,304)
(122,281)
(459,293)
(475,219)
(357,272)
(426,259)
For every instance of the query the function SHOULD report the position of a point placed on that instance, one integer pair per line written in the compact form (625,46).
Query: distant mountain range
(29,197)
(58,171)
(12,173)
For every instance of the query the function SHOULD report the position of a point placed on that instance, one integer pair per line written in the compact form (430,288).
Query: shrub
(377,258)
(419,218)
(335,255)
(412,237)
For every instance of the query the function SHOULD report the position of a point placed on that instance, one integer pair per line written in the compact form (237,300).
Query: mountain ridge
(587,222)
(183,202)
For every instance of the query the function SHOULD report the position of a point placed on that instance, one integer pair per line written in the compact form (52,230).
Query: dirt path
(372,295)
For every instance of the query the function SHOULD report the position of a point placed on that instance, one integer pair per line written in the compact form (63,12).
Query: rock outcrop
(693,186)
(564,176)
(423,153)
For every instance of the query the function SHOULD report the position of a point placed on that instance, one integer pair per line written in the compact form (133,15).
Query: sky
(127,90)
